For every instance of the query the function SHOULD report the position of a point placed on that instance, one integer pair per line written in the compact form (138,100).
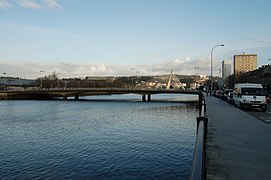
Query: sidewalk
(238,145)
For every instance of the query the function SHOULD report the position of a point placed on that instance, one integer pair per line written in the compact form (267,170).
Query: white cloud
(183,66)
(53,4)
(4,4)
(68,70)
(32,4)
(42,30)
(29,4)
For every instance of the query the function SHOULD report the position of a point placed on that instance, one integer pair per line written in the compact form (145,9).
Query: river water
(96,139)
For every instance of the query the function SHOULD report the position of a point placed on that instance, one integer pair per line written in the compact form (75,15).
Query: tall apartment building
(226,68)
(244,63)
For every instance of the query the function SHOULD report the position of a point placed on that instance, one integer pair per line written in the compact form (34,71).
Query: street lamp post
(58,80)
(212,64)
(41,79)
(132,69)
(134,73)
(220,80)
(196,69)
(4,79)
(197,74)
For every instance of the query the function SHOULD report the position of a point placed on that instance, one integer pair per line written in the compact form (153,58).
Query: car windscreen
(252,91)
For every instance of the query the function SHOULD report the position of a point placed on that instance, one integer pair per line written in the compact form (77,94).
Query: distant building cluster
(16,82)
(240,64)
(243,68)
(172,81)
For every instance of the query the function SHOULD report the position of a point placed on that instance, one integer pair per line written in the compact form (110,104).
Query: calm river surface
(96,139)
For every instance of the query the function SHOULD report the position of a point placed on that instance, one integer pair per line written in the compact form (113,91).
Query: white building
(226,68)
(15,81)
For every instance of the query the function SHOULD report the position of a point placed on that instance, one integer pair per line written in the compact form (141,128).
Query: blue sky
(109,37)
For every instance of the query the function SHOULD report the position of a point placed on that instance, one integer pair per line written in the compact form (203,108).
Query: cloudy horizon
(32,70)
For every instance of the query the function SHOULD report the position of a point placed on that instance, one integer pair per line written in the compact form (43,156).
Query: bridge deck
(238,145)
(76,92)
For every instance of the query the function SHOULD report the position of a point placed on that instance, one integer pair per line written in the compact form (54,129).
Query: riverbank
(3,96)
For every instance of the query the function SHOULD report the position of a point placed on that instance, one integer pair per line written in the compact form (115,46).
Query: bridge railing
(103,89)
(198,171)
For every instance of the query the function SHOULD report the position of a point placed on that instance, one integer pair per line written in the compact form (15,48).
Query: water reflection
(96,140)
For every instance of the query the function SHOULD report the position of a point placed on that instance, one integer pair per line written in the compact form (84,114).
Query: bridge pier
(149,97)
(76,97)
(143,98)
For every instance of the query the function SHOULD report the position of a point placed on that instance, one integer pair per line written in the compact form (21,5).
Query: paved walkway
(238,145)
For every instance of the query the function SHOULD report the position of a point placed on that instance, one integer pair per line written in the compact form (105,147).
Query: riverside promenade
(238,145)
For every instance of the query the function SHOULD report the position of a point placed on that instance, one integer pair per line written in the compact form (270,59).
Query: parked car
(230,98)
(224,96)
(213,93)
(218,93)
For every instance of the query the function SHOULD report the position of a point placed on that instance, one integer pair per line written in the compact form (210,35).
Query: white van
(248,95)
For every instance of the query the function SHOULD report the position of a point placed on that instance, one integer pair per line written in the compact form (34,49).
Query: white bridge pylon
(173,82)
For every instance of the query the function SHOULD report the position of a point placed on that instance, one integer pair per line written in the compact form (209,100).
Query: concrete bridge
(77,92)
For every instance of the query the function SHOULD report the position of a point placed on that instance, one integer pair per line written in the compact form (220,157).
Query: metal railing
(198,165)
